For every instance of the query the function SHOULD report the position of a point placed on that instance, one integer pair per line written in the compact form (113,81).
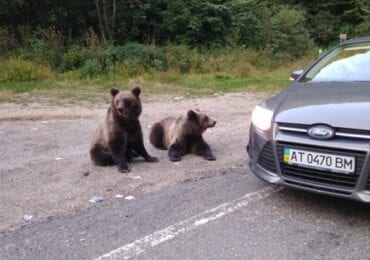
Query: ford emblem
(321,132)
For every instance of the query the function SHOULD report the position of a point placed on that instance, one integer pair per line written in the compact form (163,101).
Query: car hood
(338,105)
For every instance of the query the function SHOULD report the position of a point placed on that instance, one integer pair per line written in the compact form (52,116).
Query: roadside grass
(71,87)
(191,84)
(204,84)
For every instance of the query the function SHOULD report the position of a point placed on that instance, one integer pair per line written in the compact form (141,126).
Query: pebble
(96,199)
(130,197)
(119,196)
(27,217)
(59,158)
(178,98)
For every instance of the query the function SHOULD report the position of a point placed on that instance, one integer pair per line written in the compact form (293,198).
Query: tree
(247,23)
(196,22)
(326,19)
(106,14)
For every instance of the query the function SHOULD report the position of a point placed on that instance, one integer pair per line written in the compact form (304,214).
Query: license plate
(320,161)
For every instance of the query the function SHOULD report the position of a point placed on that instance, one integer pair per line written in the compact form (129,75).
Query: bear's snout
(212,124)
(122,111)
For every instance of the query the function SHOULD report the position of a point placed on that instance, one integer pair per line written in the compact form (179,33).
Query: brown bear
(183,135)
(120,138)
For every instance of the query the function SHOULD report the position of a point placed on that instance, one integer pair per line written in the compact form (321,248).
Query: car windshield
(345,63)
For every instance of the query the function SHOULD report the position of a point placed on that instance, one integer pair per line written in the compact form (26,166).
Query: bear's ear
(114,92)
(192,114)
(136,91)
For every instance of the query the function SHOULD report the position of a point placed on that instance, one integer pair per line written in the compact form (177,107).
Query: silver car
(315,134)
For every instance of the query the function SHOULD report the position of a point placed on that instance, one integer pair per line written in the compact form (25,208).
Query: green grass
(224,83)
(71,86)
(20,87)
(196,85)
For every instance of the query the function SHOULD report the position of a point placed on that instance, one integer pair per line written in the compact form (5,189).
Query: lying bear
(183,135)
(119,138)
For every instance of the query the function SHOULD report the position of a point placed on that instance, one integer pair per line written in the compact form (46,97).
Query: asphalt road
(230,216)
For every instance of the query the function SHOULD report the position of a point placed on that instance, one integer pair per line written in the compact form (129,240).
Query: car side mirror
(296,74)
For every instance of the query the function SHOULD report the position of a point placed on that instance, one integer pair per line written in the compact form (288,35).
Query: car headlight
(262,117)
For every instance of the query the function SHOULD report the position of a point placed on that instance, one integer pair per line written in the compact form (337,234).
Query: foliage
(75,58)
(109,41)
(242,23)
(17,70)
(182,58)
(196,22)
(327,19)
(91,68)
(132,60)
(287,33)
(248,17)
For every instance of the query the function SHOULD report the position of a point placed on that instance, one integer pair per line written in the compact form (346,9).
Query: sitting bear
(120,138)
(183,135)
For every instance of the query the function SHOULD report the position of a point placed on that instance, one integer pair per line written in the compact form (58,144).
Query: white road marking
(140,245)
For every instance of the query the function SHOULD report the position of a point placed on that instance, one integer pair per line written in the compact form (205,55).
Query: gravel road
(45,169)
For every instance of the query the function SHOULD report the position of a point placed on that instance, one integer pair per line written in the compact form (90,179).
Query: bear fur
(120,138)
(183,135)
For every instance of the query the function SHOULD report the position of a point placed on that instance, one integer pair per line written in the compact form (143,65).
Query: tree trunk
(100,21)
(105,17)
(114,11)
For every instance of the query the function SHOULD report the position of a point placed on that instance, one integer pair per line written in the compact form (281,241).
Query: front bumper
(265,163)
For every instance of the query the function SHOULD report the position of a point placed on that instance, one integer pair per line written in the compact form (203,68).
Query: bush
(183,58)
(247,19)
(239,62)
(157,57)
(40,45)
(7,41)
(132,59)
(91,68)
(41,53)
(17,70)
(288,34)
(75,58)
(135,53)
(123,71)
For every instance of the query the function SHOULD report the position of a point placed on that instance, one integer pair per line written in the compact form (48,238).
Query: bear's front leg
(117,149)
(140,149)
(201,148)
(175,151)
(128,155)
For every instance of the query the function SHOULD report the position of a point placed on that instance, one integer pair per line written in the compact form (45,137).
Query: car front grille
(266,159)
(332,190)
(347,133)
(367,186)
(321,177)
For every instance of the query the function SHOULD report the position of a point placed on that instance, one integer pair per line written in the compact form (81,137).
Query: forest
(122,39)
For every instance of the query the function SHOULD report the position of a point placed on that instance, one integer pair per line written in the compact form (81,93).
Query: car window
(346,63)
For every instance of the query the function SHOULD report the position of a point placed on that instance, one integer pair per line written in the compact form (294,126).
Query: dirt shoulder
(45,169)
